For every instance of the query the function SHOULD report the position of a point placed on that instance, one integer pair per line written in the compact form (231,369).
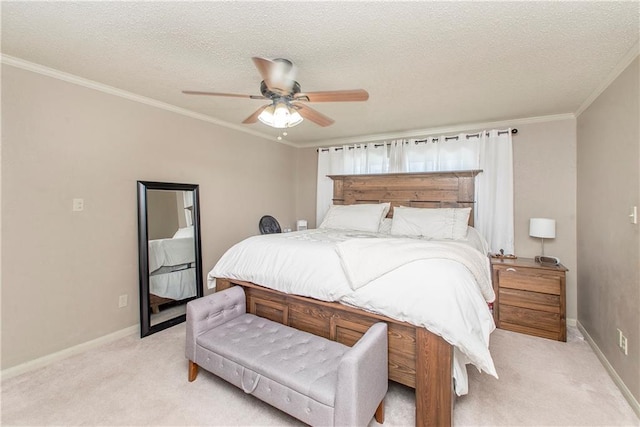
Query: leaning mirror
(168,253)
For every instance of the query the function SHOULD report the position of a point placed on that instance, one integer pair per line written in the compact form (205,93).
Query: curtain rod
(418,141)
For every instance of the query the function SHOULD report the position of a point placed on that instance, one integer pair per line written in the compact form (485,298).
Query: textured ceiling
(424,64)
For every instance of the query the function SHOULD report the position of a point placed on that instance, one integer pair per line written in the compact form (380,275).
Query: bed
(418,357)
(172,273)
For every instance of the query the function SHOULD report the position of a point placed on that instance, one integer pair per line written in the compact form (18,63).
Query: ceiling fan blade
(334,96)
(254,117)
(264,66)
(234,95)
(279,74)
(312,115)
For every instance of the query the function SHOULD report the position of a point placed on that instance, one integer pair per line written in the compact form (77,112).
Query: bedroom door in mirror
(168,253)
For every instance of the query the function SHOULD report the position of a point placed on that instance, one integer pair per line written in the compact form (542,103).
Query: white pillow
(439,224)
(365,217)
(184,232)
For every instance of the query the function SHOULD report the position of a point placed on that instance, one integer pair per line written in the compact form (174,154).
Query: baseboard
(614,375)
(67,352)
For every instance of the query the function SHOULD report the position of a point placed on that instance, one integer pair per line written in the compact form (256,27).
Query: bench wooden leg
(379,416)
(193,371)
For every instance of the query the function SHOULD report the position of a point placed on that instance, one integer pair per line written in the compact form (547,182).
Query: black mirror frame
(143,252)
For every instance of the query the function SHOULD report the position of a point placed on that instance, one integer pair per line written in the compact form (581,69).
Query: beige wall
(62,271)
(608,243)
(306,176)
(162,214)
(544,169)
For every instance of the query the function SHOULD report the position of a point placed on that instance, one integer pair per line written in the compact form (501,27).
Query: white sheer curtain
(346,160)
(490,151)
(494,191)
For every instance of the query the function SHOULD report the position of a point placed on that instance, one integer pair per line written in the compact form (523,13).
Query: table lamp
(544,228)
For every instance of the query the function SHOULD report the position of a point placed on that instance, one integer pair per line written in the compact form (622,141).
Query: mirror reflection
(172,260)
(170,269)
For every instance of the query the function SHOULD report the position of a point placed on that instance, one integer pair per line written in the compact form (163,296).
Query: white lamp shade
(542,227)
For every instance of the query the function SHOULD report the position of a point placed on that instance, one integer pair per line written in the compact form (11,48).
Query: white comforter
(440,294)
(169,252)
(177,285)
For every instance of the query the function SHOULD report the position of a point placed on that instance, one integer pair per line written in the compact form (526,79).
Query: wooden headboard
(421,190)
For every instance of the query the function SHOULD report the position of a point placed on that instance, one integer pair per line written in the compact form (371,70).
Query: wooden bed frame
(417,357)
(155,302)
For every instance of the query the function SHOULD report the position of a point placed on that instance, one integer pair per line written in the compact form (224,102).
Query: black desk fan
(269,225)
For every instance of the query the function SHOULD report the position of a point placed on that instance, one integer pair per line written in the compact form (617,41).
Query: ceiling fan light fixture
(266,116)
(287,106)
(280,115)
(294,118)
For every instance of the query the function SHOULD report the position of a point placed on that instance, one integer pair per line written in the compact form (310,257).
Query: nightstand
(530,297)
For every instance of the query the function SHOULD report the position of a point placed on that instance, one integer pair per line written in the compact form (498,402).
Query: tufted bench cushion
(318,381)
(266,347)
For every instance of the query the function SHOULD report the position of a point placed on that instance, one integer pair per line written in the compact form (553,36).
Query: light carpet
(143,382)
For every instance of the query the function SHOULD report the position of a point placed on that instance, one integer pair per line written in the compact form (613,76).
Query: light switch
(78,205)
(633,216)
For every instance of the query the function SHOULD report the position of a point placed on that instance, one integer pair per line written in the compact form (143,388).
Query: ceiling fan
(287,107)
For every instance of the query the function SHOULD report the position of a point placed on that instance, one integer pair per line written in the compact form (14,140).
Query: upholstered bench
(313,379)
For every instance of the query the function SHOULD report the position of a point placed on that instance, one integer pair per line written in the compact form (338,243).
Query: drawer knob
(511,269)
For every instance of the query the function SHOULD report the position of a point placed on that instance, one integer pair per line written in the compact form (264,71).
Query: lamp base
(547,260)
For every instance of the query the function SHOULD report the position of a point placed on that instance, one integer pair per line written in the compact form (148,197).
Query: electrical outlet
(123,301)
(622,342)
(623,345)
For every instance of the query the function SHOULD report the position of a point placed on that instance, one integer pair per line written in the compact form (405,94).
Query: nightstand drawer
(531,318)
(530,280)
(531,331)
(531,300)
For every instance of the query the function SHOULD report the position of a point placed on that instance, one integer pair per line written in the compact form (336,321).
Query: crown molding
(617,70)
(421,133)
(80,81)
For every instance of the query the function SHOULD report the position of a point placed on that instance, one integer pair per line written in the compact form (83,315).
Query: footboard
(417,357)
